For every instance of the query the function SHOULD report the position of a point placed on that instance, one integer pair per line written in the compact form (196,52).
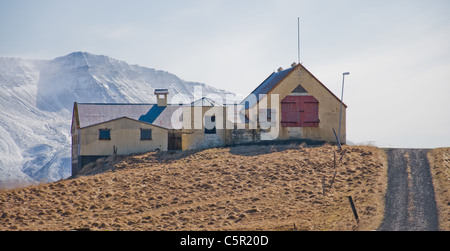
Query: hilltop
(237,188)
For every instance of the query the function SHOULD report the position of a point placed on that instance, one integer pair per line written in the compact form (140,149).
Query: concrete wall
(242,136)
(125,136)
(329,108)
(193,133)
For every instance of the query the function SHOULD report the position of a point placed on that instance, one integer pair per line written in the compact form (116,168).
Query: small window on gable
(146,134)
(299,90)
(104,134)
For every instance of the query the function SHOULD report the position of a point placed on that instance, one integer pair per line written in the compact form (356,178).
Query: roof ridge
(116,103)
(269,83)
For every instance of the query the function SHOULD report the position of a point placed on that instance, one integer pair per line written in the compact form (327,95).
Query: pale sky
(397,51)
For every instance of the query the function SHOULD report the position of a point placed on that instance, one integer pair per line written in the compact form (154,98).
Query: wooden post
(342,155)
(334,153)
(353,208)
(334,178)
(338,140)
(323,185)
(114,152)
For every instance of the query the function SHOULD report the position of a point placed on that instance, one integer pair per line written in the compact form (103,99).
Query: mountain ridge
(37,99)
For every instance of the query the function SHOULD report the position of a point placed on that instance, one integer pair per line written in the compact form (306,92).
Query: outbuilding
(98,134)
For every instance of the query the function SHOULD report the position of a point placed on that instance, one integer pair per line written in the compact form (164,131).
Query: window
(210,125)
(146,134)
(300,90)
(104,134)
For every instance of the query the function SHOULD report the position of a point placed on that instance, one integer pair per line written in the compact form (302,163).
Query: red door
(290,114)
(309,113)
(300,111)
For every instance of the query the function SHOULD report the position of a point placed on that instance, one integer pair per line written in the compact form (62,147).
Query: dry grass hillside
(238,188)
(440,169)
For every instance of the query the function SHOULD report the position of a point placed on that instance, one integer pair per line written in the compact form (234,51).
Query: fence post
(323,185)
(338,140)
(334,154)
(353,208)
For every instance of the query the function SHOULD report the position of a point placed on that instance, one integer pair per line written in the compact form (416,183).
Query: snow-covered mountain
(36,100)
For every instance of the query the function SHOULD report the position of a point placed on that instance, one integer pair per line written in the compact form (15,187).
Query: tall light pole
(298,40)
(342,101)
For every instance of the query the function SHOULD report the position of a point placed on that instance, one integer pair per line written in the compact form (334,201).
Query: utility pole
(298,20)
(342,101)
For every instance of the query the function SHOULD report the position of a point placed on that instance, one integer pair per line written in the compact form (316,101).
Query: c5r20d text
(246,240)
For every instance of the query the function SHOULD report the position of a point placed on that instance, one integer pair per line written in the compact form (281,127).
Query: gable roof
(92,114)
(274,80)
(127,118)
(204,102)
(326,88)
(265,87)
(89,114)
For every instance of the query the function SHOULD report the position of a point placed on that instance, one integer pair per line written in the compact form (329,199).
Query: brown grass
(238,188)
(440,169)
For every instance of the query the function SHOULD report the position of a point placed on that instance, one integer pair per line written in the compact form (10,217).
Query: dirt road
(410,200)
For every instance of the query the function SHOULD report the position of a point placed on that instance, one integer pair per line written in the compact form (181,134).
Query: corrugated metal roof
(91,114)
(165,117)
(271,82)
(204,102)
(265,87)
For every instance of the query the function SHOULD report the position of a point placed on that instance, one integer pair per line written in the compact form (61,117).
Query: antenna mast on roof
(298,19)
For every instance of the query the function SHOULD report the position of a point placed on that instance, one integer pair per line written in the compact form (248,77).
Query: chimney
(280,69)
(161,97)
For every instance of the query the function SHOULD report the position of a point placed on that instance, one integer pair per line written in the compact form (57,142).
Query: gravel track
(410,200)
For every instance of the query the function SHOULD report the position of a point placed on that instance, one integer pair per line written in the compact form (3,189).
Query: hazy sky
(398,51)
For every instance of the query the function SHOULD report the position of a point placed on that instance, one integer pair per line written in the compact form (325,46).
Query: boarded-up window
(290,115)
(146,134)
(300,111)
(309,113)
(104,134)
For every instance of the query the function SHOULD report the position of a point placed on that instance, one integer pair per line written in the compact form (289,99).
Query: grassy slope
(239,188)
(440,169)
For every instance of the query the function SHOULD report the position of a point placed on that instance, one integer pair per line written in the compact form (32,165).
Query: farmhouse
(290,104)
(307,108)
